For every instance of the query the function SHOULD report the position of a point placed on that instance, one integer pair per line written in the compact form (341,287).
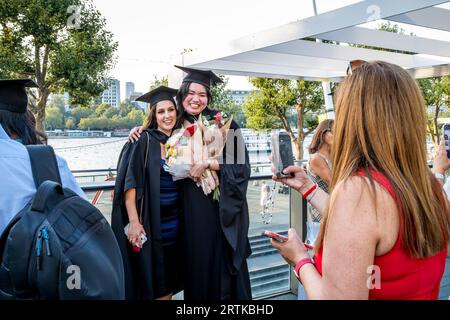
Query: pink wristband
(299,265)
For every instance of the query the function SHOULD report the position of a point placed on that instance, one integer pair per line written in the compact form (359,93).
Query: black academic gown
(216,234)
(144,270)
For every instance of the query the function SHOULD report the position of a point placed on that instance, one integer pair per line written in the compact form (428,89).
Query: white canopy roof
(281,53)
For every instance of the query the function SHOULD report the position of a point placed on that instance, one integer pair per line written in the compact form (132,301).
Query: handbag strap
(145,174)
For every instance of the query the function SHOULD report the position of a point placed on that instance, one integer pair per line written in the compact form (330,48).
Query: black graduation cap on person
(13,96)
(158,94)
(206,78)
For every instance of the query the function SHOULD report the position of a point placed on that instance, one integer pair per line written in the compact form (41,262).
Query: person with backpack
(17,186)
(147,205)
(54,244)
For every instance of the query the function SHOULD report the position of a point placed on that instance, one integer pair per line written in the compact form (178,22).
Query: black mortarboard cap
(13,96)
(206,78)
(159,94)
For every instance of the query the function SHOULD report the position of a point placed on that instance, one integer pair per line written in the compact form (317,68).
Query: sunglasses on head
(353,65)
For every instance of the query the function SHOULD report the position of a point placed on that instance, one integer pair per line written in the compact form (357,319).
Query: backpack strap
(43,164)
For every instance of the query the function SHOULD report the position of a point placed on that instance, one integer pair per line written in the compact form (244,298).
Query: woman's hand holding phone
(275,236)
(441,162)
(299,180)
(293,249)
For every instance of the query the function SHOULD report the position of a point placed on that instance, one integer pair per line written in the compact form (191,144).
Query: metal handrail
(93,170)
(109,185)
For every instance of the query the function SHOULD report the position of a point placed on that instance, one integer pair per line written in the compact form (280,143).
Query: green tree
(126,107)
(135,118)
(59,48)
(70,123)
(256,109)
(78,113)
(111,112)
(156,82)
(55,118)
(102,109)
(436,93)
(100,123)
(57,101)
(270,107)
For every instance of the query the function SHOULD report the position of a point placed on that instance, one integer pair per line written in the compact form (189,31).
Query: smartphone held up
(282,156)
(446,130)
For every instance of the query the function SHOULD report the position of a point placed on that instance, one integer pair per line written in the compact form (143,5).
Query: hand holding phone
(446,129)
(278,237)
(275,236)
(282,156)
(136,246)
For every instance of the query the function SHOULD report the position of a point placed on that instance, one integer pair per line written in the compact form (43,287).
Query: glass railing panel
(269,273)
(269,210)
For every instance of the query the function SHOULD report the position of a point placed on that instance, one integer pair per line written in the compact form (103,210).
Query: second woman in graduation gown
(216,244)
(147,199)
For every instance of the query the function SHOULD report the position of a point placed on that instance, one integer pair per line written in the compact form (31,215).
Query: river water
(103,153)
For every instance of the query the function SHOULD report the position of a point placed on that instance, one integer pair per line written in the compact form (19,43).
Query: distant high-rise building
(111,95)
(129,89)
(239,96)
(140,104)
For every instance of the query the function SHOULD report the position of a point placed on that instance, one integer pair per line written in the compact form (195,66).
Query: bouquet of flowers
(178,153)
(204,139)
(214,130)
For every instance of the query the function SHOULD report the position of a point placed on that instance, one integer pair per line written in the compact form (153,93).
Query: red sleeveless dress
(403,277)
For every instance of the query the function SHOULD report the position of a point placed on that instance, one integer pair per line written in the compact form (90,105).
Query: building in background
(139,104)
(129,89)
(111,95)
(239,96)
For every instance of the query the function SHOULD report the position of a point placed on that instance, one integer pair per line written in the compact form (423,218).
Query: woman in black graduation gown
(216,233)
(147,200)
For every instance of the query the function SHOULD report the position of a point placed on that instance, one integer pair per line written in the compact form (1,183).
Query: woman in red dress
(386,225)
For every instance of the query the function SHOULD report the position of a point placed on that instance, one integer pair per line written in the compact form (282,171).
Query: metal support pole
(329,107)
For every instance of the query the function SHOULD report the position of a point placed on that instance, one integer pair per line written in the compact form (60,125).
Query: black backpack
(59,246)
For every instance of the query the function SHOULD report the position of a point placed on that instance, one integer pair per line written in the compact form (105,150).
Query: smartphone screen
(446,137)
(282,153)
(286,151)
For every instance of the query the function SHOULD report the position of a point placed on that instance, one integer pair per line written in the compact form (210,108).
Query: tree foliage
(156,82)
(279,100)
(101,117)
(436,93)
(62,44)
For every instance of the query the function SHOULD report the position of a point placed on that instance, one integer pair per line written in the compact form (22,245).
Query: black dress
(216,234)
(155,271)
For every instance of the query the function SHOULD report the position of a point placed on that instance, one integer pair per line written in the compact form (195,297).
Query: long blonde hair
(380,125)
